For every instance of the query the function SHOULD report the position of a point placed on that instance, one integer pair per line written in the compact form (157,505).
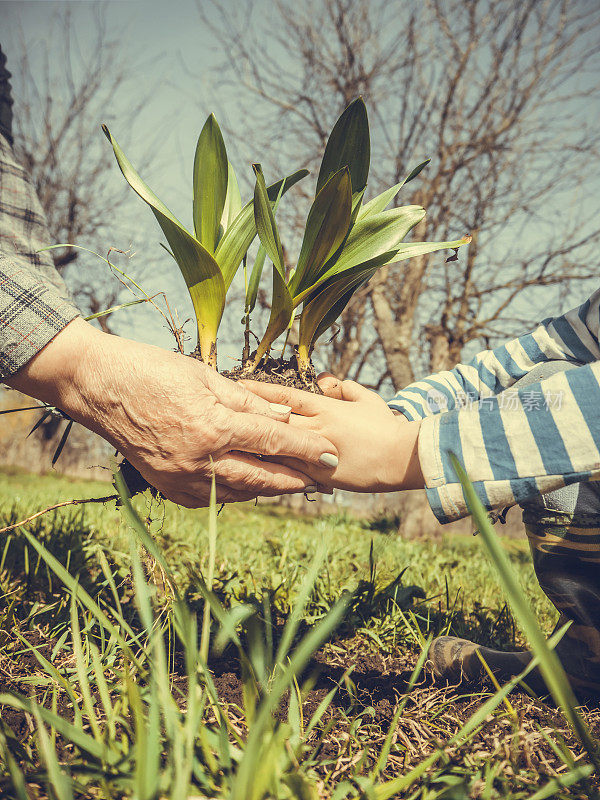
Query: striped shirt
(514,443)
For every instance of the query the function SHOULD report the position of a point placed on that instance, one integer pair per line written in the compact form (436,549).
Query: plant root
(283,372)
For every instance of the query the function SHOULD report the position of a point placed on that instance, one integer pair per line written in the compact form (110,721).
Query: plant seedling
(344,242)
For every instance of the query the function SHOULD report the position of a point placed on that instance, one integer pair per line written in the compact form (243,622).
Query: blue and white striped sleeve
(572,337)
(514,444)
(545,436)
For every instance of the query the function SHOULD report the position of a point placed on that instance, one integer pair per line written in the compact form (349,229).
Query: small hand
(377,449)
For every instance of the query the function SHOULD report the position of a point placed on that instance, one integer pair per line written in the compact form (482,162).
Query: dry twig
(58,505)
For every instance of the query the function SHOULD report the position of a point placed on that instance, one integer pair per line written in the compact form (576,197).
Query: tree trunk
(439,352)
(395,325)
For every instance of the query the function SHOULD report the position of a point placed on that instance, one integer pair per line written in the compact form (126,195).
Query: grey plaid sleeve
(31,314)
(34,301)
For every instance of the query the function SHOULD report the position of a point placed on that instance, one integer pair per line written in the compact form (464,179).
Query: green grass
(379,737)
(265,546)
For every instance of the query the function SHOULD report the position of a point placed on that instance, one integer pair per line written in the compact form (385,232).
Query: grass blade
(62,443)
(212,555)
(16,776)
(298,660)
(60,782)
(62,726)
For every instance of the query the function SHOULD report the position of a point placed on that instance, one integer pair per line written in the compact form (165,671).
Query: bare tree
(500,95)
(63,91)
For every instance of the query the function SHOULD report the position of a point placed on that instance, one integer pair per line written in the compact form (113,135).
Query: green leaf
(281,304)
(210,183)
(259,263)
(337,290)
(281,313)
(254,281)
(369,239)
(233,199)
(348,146)
(199,269)
(334,313)
(238,237)
(324,306)
(326,228)
(356,205)
(382,201)
(377,234)
(413,249)
(265,221)
(413,173)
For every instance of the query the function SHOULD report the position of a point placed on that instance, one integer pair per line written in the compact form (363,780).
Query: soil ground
(404,591)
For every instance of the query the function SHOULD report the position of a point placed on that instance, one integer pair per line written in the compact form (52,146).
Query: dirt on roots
(282,372)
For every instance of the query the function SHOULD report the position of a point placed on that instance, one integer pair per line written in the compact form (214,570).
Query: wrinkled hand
(377,449)
(169,414)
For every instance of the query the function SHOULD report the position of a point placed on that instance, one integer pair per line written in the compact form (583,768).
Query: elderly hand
(169,414)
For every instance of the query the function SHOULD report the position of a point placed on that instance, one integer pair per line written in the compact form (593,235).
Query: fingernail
(329,460)
(277,408)
(310,490)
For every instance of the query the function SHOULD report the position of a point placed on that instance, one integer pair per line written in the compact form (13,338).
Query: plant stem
(212,357)
(287,336)
(246,350)
(303,357)
(263,347)
(207,345)
(289,330)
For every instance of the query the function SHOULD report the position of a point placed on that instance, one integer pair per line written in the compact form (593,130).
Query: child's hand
(377,449)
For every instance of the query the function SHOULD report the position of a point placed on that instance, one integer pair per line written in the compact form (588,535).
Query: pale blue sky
(174,58)
(176,61)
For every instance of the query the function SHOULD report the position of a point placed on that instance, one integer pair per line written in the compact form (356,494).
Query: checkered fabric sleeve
(34,301)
